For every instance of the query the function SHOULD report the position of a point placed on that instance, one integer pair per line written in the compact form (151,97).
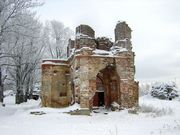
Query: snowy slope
(156,117)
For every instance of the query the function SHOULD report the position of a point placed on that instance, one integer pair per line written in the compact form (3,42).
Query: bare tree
(56,36)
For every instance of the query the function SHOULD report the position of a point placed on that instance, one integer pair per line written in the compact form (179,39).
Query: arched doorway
(107,87)
(99,94)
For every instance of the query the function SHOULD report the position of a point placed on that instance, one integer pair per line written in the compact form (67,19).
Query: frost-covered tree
(11,13)
(56,37)
(27,52)
(144,89)
(164,90)
(11,10)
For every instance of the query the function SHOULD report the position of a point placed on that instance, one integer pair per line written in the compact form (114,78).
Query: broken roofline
(66,62)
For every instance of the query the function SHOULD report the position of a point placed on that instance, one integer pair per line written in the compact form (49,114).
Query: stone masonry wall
(85,30)
(56,86)
(89,68)
(122,31)
(46,85)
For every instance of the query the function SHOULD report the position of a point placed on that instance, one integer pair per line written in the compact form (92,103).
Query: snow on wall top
(122,40)
(120,21)
(102,52)
(81,35)
(55,59)
(55,62)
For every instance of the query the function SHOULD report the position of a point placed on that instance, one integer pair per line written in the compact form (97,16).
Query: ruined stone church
(96,73)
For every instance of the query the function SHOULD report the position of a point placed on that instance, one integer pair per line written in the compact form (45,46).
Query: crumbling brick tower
(96,73)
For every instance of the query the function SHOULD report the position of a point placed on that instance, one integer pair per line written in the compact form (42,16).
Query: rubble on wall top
(103,38)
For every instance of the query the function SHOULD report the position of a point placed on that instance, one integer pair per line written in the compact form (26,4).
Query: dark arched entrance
(107,87)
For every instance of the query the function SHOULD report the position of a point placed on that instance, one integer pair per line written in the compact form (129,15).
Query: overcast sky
(155,25)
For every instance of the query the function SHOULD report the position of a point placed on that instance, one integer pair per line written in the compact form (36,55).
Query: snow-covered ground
(156,117)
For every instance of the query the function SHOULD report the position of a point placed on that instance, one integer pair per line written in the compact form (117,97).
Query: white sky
(155,25)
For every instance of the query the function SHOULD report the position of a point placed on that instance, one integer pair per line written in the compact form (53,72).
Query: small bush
(164,91)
